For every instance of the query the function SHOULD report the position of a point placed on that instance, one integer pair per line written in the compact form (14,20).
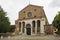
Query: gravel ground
(47,37)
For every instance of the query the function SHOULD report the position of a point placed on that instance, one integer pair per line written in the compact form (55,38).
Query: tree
(4,22)
(56,23)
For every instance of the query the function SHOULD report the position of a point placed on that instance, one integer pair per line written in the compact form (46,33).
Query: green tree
(56,23)
(4,22)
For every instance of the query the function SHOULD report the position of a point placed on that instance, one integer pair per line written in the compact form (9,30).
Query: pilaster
(35,27)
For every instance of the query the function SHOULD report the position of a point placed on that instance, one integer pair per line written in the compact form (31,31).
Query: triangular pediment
(30,5)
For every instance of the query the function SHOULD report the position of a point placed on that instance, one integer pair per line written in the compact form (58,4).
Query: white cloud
(55,3)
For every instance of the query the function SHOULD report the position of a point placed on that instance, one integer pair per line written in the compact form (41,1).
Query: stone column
(42,25)
(25,29)
(35,27)
(31,29)
(21,28)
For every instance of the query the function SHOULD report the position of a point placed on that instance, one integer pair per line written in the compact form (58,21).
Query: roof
(31,5)
(35,5)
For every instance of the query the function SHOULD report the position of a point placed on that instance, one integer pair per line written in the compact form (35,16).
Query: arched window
(33,26)
(19,26)
(23,26)
(38,26)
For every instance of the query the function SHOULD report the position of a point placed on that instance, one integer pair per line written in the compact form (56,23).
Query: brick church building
(33,21)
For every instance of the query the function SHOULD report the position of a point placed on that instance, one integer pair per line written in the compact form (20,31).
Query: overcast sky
(12,7)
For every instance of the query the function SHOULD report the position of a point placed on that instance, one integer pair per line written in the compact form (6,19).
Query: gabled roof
(35,6)
(31,5)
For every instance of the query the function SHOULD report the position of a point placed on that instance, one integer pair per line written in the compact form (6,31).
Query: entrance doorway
(28,29)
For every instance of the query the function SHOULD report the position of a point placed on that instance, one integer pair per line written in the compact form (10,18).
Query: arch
(33,26)
(19,26)
(28,26)
(23,26)
(38,26)
(28,29)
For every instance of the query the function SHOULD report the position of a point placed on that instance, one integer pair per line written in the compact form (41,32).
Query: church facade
(32,21)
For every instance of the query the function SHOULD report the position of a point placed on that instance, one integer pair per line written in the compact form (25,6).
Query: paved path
(49,37)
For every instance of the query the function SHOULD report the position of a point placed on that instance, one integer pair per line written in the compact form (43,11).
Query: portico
(31,27)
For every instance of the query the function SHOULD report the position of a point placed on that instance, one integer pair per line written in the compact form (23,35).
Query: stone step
(50,37)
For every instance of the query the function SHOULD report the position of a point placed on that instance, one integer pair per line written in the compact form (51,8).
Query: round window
(29,14)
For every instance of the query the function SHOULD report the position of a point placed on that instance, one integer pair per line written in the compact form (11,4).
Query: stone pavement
(47,37)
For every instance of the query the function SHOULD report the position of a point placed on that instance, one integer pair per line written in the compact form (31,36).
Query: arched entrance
(28,29)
